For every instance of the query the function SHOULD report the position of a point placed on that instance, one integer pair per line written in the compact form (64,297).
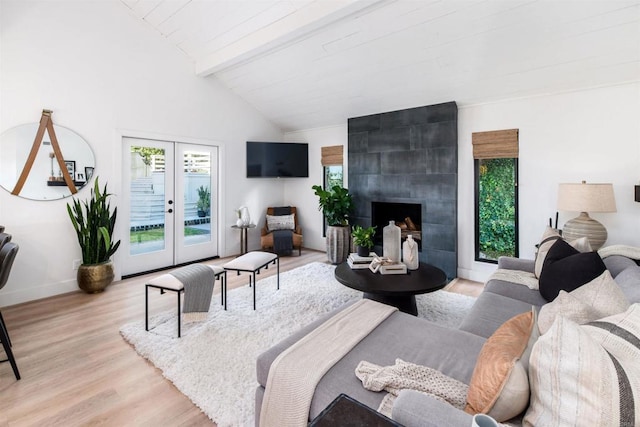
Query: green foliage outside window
(147,152)
(497,208)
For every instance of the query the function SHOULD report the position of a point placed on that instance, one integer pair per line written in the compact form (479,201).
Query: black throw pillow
(565,268)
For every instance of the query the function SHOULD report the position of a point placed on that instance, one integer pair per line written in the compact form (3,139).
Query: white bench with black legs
(253,262)
(170,283)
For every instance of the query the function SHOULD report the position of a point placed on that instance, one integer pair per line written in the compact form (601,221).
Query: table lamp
(585,198)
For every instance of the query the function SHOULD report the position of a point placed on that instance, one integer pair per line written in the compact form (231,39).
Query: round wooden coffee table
(398,290)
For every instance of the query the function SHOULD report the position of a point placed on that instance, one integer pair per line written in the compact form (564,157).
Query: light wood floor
(77,370)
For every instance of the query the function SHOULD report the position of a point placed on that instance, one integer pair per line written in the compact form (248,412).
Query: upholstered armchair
(275,223)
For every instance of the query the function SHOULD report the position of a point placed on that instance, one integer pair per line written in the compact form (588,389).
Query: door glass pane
(197,195)
(147,227)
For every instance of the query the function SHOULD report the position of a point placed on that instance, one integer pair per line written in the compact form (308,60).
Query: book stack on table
(357,262)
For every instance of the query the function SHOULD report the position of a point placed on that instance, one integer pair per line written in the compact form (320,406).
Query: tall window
(332,166)
(332,169)
(333,176)
(496,194)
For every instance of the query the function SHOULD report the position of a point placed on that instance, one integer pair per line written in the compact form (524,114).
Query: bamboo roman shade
(496,144)
(332,155)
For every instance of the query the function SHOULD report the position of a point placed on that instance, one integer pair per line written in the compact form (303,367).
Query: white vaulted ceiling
(312,63)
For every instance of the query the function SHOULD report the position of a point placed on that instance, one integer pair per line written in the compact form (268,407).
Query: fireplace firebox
(407,216)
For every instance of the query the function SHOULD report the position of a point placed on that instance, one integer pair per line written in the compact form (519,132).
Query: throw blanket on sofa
(294,374)
(404,375)
(529,279)
(198,283)
(516,276)
(624,250)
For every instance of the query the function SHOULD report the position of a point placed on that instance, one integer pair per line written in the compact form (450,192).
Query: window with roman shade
(332,169)
(495,156)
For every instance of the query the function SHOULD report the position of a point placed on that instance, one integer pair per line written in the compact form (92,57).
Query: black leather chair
(7,254)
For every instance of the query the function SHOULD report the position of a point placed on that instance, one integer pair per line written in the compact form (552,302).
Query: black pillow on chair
(565,268)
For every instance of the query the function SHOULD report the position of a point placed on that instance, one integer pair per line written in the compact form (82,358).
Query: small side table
(346,411)
(243,236)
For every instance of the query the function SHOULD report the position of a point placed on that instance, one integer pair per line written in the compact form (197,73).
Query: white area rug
(214,362)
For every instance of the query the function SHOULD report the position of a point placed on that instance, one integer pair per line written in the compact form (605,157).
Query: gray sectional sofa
(451,351)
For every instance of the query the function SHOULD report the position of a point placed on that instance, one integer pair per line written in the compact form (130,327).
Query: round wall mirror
(45,180)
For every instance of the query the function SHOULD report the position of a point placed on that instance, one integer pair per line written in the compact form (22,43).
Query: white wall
(591,135)
(104,75)
(298,192)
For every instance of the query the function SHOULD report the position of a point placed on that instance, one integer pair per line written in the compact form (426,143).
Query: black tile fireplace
(409,158)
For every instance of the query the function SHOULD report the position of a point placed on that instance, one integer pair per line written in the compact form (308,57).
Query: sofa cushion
(413,408)
(587,375)
(499,386)
(629,282)
(617,264)
(490,311)
(599,298)
(515,291)
(566,268)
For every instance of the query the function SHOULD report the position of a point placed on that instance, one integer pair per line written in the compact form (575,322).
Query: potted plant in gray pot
(336,204)
(94,223)
(363,239)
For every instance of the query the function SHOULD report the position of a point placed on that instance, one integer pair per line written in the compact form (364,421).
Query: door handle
(170,211)
(170,202)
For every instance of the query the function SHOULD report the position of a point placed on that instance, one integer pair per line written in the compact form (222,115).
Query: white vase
(391,242)
(244,215)
(239,222)
(410,253)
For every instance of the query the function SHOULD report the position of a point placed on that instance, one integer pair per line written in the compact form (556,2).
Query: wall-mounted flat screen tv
(277,160)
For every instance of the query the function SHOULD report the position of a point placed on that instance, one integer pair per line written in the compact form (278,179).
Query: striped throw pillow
(587,375)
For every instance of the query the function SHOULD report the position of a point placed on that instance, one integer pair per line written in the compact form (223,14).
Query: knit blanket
(405,375)
(295,373)
(198,283)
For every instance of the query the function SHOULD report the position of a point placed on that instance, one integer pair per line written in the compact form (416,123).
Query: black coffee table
(398,290)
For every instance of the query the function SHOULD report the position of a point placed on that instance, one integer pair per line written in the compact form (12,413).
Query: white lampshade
(586,198)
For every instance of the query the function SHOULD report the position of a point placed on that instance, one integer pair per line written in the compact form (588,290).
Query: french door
(170,203)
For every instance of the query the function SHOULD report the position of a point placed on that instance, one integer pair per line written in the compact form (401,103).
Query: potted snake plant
(94,222)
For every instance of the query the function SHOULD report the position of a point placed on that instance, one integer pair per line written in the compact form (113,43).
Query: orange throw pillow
(499,385)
